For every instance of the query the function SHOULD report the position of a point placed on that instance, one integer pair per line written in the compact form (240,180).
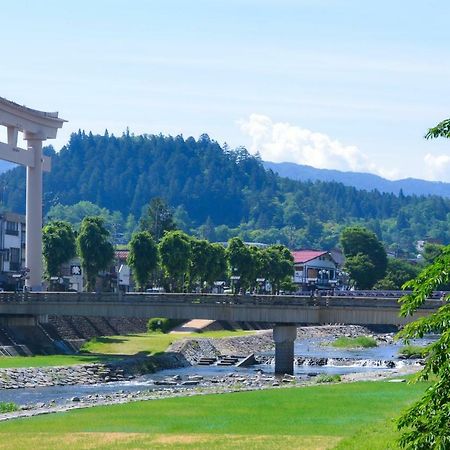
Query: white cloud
(437,167)
(283,142)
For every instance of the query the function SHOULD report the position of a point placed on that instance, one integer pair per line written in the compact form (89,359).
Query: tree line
(217,193)
(178,262)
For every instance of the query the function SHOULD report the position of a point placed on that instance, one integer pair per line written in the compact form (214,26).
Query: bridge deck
(236,308)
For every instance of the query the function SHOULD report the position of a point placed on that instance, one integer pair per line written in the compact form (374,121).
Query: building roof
(302,256)
(122,254)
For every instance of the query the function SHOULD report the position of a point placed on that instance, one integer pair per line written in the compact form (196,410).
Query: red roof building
(314,269)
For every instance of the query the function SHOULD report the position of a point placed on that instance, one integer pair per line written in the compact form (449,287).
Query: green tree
(200,259)
(58,241)
(157,219)
(217,265)
(360,268)
(175,252)
(94,248)
(278,264)
(357,242)
(240,262)
(397,274)
(431,251)
(426,424)
(143,257)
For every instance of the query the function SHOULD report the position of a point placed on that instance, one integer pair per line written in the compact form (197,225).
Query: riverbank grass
(148,343)
(9,362)
(314,417)
(414,351)
(355,342)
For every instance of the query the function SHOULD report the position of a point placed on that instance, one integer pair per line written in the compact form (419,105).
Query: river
(337,361)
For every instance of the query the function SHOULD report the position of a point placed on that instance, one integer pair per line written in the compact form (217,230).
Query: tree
(397,274)
(143,257)
(157,219)
(431,251)
(240,262)
(94,248)
(58,239)
(426,424)
(200,259)
(278,265)
(357,241)
(175,251)
(360,268)
(217,265)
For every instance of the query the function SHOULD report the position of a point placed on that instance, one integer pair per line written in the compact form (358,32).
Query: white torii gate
(37,126)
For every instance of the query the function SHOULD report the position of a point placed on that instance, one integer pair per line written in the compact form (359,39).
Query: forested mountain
(367,181)
(218,192)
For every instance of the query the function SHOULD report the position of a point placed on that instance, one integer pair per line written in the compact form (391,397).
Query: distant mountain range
(366,181)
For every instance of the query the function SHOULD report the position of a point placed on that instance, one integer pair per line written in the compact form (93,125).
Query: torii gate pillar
(37,126)
(33,244)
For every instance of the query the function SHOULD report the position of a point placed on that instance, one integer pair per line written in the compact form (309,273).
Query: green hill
(223,192)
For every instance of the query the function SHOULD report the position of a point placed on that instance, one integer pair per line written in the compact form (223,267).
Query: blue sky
(342,84)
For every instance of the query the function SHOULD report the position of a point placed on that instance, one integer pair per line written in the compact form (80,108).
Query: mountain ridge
(360,180)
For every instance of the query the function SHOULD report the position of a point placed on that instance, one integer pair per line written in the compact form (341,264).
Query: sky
(336,84)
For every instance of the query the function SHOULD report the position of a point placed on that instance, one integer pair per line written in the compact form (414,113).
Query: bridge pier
(284,336)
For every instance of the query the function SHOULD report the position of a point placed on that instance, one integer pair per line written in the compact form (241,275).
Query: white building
(12,249)
(315,269)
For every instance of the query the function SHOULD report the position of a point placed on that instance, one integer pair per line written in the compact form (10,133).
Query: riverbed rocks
(16,378)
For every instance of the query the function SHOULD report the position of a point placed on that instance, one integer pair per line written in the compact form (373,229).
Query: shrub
(161,324)
(6,407)
(323,378)
(357,342)
(414,351)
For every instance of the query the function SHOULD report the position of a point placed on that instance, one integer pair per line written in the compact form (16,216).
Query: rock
(75,399)
(275,383)
(190,383)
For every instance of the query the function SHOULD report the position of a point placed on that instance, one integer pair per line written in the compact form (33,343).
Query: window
(14,259)
(15,255)
(12,228)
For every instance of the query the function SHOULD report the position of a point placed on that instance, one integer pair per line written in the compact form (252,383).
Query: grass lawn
(344,416)
(105,348)
(356,342)
(7,362)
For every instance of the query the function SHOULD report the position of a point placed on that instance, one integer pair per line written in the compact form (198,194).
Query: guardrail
(211,299)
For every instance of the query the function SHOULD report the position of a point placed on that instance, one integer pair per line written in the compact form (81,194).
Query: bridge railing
(210,299)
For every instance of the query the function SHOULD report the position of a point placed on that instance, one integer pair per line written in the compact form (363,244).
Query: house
(12,250)
(315,269)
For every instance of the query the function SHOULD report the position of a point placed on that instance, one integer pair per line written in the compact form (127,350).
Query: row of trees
(186,262)
(177,261)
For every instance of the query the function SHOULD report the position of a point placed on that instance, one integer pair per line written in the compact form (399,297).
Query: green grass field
(343,416)
(106,348)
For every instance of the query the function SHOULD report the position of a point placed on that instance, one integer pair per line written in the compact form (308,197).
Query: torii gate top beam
(44,125)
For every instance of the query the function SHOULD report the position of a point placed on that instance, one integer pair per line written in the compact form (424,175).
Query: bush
(161,324)
(328,378)
(357,342)
(414,351)
(6,407)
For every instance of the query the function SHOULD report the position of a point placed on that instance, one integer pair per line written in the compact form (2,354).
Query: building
(315,269)
(12,250)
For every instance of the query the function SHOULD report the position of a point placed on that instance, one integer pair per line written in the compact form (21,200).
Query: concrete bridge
(283,311)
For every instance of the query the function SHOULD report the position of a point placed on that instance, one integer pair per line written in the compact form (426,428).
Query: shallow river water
(359,360)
